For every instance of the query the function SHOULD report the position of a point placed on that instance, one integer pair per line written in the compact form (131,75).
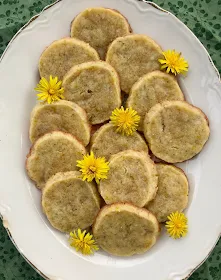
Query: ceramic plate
(45,248)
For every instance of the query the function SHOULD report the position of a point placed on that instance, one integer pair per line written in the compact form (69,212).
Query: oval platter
(43,247)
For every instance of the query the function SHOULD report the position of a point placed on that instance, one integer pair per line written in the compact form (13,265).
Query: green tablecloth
(203,17)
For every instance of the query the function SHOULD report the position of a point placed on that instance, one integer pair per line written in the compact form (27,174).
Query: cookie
(69,202)
(123,229)
(132,57)
(172,193)
(58,58)
(106,142)
(95,87)
(154,87)
(99,27)
(52,153)
(176,131)
(132,178)
(62,115)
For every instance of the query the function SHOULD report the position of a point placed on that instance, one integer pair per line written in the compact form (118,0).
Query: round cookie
(154,87)
(132,178)
(172,193)
(95,87)
(123,229)
(62,115)
(106,142)
(52,153)
(175,130)
(58,58)
(69,202)
(132,57)
(99,27)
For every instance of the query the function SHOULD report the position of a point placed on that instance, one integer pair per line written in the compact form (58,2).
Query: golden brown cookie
(62,115)
(95,87)
(69,202)
(172,193)
(52,153)
(132,57)
(58,58)
(132,178)
(176,131)
(123,229)
(154,87)
(99,27)
(106,142)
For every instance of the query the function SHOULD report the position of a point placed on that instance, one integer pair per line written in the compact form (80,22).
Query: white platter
(46,249)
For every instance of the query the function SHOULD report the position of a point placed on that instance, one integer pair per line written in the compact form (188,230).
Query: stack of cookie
(126,208)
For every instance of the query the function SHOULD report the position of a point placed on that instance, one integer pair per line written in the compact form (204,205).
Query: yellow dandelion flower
(173,62)
(83,242)
(177,225)
(126,120)
(93,168)
(50,91)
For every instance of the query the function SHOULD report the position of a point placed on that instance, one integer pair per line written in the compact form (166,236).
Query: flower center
(125,119)
(92,169)
(178,225)
(173,61)
(51,91)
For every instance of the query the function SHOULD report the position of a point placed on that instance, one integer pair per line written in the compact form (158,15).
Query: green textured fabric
(203,17)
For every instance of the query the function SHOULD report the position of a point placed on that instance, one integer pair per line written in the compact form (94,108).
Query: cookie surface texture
(132,57)
(95,87)
(69,202)
(154,87)
(52,153)
(132,178)
(99,27)
(122,229)
(175,130)
(106,142)
(172,193)
(58,58)
(62,115)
